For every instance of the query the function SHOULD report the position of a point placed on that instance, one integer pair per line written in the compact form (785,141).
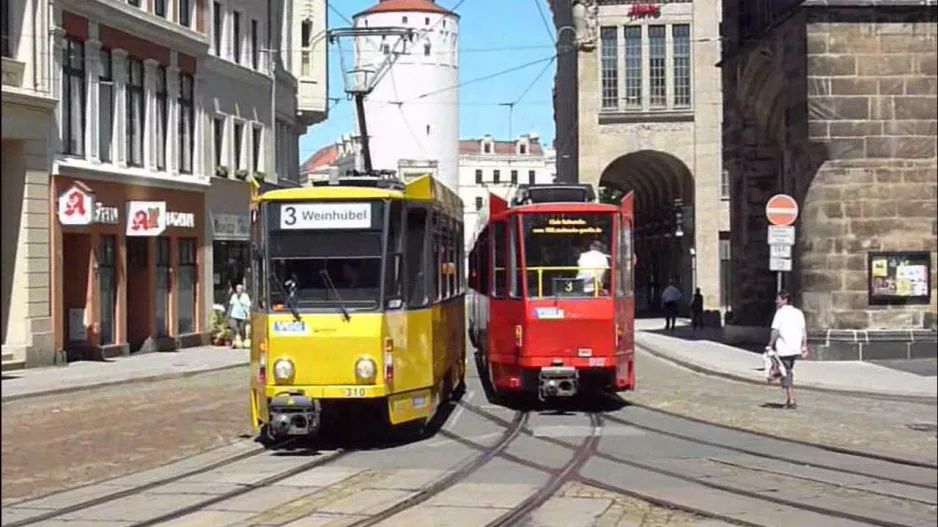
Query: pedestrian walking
(696,311)
(789,341)
(239,311)
(669,300)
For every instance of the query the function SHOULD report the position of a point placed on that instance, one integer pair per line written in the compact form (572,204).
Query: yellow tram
(359,303)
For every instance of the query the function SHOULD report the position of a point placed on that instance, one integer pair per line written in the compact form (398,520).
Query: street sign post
(781,210)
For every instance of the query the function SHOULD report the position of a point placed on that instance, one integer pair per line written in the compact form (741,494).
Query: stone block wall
(872,94)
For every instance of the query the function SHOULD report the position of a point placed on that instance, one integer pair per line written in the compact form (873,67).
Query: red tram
(552,300)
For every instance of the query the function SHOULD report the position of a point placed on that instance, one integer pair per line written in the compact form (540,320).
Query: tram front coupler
(293,416)
(558,381)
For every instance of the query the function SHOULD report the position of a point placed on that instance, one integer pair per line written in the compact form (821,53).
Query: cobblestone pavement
(881,426)
(56,441)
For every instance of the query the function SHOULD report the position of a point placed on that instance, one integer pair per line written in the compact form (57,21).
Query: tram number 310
(354,392)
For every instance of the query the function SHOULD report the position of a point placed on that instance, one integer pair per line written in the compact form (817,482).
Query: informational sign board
(781,235)
(780,264)
(780,251)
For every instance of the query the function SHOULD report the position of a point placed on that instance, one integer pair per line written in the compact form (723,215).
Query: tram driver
(592,266)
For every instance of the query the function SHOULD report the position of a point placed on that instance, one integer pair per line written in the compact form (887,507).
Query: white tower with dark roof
(413,112)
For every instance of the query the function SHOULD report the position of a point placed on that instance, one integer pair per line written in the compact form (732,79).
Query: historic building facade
(836,106)
(487,165)
(637,105)
(28,123)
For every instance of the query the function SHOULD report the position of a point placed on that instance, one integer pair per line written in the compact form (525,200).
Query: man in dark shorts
(790,340)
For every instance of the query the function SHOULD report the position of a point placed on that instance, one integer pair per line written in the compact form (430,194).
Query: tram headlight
(365,369)
(283,369)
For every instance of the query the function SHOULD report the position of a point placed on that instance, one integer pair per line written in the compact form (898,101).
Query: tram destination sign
(326,216)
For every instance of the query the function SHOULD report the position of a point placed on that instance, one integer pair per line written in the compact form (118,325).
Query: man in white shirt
(790,340)
(670,298)
(592,266)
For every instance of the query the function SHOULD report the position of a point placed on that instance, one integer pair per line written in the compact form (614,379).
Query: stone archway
(661,183)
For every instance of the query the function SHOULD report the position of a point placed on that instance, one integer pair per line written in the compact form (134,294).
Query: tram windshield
(326,268)
(567,254)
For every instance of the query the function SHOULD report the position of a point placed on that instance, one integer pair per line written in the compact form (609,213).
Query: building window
(256,148)
(236,37)
(633,66)
(403,20)
(610,68)
(219,134)
(217,22)
(238,142)
(426,49)
(255,46)
(478,177)
(185,289)
(73,97)
(514,177)
(657,72)
(185,13)
(105,106)
(680,34)
(162,117)
(725,184)
(159,8)
(5,14)
(479,202)
(107,286)
(487,148)
(135,113)
(186,122)
(522,149)
(531,177)
(496,176)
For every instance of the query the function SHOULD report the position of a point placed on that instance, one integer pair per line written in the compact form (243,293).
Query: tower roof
(418,6)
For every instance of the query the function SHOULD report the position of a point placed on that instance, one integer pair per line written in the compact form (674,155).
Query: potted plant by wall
(221,333)
(259,176)
(241,174)
(221,171)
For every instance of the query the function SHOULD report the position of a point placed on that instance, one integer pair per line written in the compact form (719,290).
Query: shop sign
(106,215)
(76,206)
(185,220)
(231,226)
(146,218)
(644,10)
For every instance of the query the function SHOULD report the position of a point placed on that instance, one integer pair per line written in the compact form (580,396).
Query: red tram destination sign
(643,10)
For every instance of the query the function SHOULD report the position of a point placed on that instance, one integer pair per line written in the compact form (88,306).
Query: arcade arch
(663,187)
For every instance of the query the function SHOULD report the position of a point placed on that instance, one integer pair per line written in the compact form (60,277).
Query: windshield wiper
(335,291)
(289,300)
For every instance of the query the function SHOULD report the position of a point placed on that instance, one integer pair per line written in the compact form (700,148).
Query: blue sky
(495,35)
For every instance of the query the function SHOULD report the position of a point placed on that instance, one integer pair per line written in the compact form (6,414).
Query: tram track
(136,489)
(587,448)
(460,473)
(652,469)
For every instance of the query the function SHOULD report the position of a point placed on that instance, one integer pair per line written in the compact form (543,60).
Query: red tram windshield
(567,254)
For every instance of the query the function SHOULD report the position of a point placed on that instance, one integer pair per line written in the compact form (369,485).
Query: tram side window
(483,260)
(626,251)
(498,250)
(417,261)
(460,259)
(514,263)
(394,274)
(451,259)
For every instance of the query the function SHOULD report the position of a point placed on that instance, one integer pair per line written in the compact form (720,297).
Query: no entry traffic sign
(781,209)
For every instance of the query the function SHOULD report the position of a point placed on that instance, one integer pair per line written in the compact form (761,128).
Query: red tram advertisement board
(552,306)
